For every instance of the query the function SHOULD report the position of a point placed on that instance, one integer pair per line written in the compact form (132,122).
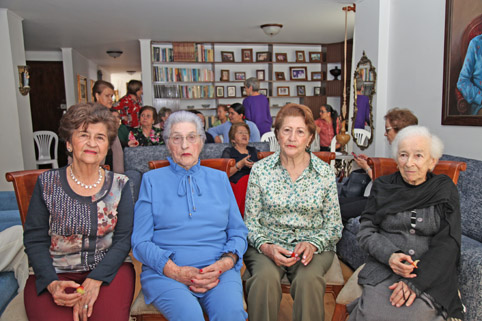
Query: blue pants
(223,302)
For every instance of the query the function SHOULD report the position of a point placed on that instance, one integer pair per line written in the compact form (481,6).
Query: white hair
(183,117)
(436,145)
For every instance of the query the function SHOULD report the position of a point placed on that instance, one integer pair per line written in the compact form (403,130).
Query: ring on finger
(86,306)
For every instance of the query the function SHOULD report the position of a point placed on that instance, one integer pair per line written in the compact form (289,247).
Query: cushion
(351,290)
(9,218)
(15,310)
(8,201)
(9,287)
(140,307)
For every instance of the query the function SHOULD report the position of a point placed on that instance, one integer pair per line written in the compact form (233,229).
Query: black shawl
(437,270)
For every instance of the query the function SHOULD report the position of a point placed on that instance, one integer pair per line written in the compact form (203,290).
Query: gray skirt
(374,304)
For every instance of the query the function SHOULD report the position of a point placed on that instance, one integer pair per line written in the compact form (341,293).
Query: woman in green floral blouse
(293,217)
(146,134)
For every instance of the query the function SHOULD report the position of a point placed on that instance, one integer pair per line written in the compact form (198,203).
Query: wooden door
(47,93)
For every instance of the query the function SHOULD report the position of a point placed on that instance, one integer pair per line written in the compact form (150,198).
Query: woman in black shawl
(411,230)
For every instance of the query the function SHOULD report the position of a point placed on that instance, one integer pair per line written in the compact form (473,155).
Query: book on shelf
(184,91)
(191,52)
(162,54)
(171,74)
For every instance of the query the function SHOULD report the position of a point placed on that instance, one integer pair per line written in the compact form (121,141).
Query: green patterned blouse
(285,213)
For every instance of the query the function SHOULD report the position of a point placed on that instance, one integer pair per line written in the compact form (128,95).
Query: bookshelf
(203,75)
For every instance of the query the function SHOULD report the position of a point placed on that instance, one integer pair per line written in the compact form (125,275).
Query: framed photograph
(463,28)
(298,73)
(317,91)
(247,55)
(281,57)
(224,75)
(243,92)
(263,91)
(219,91)
(231,91)
(300,56)
(260,74)
(279,75)
(240,76)
(263,56)
(227,56)
(301,90)
(81,89)
(283,91)
(316,75)
(315,56)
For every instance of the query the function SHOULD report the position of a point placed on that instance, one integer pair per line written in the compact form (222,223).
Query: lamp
(24,80)
(114,53)
(271,29)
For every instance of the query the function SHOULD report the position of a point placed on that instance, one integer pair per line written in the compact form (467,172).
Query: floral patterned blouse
(285,213)
(129,110)
(155,138)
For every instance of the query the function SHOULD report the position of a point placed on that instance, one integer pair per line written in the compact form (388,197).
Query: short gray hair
(183,117)
(436,145)
(252,82)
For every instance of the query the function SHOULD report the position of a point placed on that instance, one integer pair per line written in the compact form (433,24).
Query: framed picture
(92,82)
(260,74)
(463,28)
(315,56)
(301,90)
(247,55)
(281,57)
(298,73)
(316,75)
(243,92)
(227,56)
(283,91)
(279,75)
(240,75)
(219,91)
(231,91)
(81,89)
(224,75)
(300,56)
(263,56)
(317,91)
(263,91)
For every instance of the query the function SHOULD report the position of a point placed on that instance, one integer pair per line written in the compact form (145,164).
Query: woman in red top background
(328,125)
(130,105)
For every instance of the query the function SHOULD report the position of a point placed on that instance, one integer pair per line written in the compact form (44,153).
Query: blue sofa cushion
(9,218)
(470,277)
(8,201)
(9,286)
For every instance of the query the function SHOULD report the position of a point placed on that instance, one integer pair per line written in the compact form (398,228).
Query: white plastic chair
(333,150)
(43,140)
(315,146)
(361,136)
(271,138)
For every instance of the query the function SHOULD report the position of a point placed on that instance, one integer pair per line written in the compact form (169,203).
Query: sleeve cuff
(166,256)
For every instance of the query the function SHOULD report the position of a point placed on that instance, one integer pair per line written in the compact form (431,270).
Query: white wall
(120,80)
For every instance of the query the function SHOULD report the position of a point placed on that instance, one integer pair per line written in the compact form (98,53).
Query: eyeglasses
(178,139)
(388,129)
(288,131)
(242,133)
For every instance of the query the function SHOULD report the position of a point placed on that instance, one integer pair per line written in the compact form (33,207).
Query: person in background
(146,134)
(294,222)
(78,228)
(363,107)
(328,125)
(411,230)
(222,115)
(188,232)
(209,137)
(102,91)
(236,115)
(256,106)
(129,106)
(164,113)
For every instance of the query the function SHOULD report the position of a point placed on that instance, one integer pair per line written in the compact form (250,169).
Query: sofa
(136,159)
(470,269)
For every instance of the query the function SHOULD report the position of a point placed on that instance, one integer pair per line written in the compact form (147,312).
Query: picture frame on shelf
(281,57)
(263,91)
(316,91)
(298,73)
(224,75)
(243,92)
(219,91)
(260,74)
(81,89)
(283,91)
(301,90)
(279,75)
(227,56)
(231,91)
(315,56)
(316,75)
(240,75)
(300,56)
(263,56)
(247,55)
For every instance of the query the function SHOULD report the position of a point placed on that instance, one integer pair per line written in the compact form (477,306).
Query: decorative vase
(342,138)
(335,72)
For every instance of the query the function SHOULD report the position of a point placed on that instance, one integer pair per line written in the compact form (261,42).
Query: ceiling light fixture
(271,29)
(114,53)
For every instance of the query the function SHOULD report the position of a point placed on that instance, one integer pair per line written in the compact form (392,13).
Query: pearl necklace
(82,184)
